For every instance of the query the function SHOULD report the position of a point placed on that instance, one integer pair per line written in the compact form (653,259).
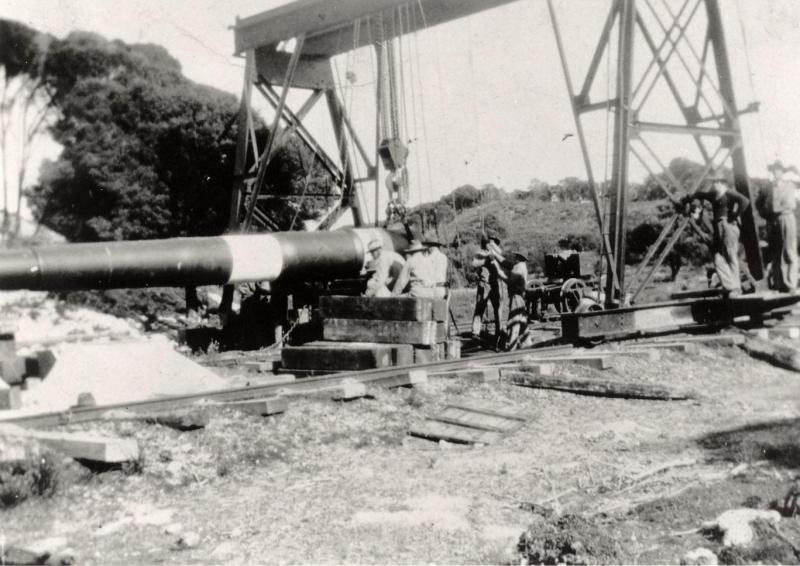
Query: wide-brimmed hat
(415,246)
(517,257)
(374,245)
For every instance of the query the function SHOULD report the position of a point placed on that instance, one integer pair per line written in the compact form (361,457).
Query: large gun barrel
(188,262)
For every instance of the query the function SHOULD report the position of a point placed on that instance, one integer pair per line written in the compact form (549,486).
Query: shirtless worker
(727,206)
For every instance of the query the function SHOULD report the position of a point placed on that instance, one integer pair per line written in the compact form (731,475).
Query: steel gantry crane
(678,44)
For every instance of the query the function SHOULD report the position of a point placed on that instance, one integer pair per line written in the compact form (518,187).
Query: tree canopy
(146,153)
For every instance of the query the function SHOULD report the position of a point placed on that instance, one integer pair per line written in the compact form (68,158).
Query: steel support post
(615,295)
(578,103)
(749,234)
(337,113)
(273,132)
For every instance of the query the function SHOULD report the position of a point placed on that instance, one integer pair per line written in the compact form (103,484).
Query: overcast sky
(490,101)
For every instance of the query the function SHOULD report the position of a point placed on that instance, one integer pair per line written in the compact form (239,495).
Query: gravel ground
(343,483)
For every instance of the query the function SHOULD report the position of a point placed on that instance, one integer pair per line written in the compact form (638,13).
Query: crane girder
(329,24)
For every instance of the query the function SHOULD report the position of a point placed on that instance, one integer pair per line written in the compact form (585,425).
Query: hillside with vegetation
(532,221)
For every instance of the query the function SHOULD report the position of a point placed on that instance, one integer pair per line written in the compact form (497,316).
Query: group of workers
(423,270)
(776,207)
(494,266)
(421,273)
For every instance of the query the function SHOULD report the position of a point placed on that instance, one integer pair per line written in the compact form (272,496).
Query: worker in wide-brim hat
(727,207)
(777,205)
(418,278)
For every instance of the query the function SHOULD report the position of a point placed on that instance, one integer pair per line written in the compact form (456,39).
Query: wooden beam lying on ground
(262,407)
(599,387)
(775,354)
(727,339)
(603,361)
(81,446)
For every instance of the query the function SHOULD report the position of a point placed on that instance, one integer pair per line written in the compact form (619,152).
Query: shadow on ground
(775,441)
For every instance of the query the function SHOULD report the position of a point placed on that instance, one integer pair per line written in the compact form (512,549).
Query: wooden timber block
(301,373)
(40,364)
(423,333)
(263,407)
(478,375)
(792,332)
(600,387)
(684,347)
(596,362)
(452,349)
(81,446)
(383,308)
(407,378)
(31,383)
(12,370)
(428,354)
(8,345)
(337,356)
(532,368)
(719,339)
(262,366)
(349,390)
(649,354)
(434,430)
(9,396)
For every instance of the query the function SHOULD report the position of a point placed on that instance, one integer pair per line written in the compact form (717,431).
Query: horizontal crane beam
(329,24)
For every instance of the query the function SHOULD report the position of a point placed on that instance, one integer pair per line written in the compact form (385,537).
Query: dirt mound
(570,539)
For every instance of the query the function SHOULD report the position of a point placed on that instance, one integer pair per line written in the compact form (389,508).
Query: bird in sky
(568,135)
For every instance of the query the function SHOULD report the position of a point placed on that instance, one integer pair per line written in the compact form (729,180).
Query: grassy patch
(34,477)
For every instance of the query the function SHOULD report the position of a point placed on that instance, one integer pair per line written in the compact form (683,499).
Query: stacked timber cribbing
(372,332)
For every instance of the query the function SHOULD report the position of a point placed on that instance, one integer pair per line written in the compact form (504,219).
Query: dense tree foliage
(146,152)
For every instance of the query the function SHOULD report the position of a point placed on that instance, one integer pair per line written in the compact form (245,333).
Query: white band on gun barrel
(256,257)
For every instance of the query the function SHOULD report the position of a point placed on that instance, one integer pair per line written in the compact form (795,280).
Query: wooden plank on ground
(471,419)
(263,407)
(775,354)
(487,408)
(719,339)
(480,375)
(337,356)
(81,446)
(600,387)
(383,331)
(684,347)
(433,430)
(593,361)
(383,308)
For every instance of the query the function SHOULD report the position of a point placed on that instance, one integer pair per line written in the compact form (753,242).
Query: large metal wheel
(572,291)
